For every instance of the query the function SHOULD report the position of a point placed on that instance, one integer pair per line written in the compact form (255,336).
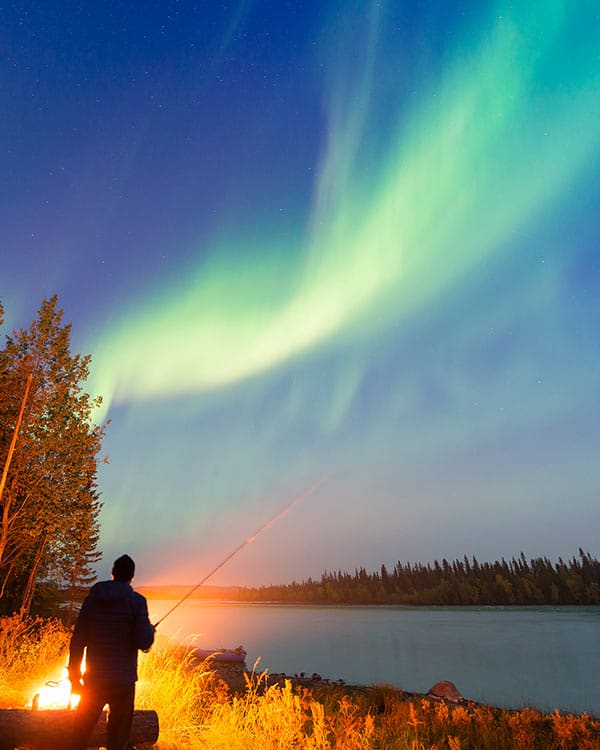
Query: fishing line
(246,542)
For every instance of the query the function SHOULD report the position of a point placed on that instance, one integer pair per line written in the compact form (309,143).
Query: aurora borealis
(354,239)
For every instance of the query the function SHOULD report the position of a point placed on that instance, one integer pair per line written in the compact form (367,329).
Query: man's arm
(77,646)
(143,630)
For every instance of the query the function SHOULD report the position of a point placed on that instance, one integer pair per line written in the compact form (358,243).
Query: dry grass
(32,651)
(182,692)
(196,711)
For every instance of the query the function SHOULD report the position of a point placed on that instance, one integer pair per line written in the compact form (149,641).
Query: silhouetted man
(112,625)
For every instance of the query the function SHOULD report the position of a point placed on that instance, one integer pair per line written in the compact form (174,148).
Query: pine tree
(49,504)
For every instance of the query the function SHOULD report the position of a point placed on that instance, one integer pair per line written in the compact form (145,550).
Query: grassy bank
(31,652)
(197,710)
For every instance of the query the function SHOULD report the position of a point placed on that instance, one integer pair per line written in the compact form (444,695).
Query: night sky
(306,239)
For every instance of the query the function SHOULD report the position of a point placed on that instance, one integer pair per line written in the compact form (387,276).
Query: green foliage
(49,503)
(538,581)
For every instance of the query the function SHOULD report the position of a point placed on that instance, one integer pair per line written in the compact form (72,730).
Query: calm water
(543,657)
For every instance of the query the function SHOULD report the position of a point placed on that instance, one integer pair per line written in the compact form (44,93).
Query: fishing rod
(246,542)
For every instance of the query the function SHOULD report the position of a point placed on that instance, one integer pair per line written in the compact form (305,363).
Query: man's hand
(75,679)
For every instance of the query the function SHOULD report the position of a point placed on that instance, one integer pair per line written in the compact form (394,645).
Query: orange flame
(57,693)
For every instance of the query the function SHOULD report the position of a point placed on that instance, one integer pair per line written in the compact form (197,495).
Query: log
(48,729)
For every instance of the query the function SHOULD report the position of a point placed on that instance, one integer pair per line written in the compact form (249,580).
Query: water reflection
(543,657)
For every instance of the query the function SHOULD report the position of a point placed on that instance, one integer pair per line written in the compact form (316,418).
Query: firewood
(48,729)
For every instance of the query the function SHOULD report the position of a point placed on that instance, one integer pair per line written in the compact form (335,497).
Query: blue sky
(355,240)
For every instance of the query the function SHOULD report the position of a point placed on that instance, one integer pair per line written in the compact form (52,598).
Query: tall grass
(181,691)
(32,651)
(196,711)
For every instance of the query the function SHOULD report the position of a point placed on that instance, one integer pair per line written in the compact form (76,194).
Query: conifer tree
(49,503)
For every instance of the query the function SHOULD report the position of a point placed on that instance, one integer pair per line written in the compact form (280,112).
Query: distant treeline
(465,581)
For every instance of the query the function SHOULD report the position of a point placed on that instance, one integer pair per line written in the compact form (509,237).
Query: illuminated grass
(182,692)
(32,651)
(197,711)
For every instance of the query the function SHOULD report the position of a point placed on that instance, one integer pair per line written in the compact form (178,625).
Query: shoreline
(494,655)
(235,676)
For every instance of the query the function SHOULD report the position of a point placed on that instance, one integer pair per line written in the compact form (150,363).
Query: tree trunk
(32,580)
(11,449)
(5,579)
(48,730)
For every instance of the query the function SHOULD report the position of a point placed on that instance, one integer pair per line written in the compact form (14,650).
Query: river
(542,657)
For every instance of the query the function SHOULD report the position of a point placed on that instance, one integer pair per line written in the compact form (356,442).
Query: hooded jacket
(113,624)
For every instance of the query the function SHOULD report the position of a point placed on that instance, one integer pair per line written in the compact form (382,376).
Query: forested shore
(461,582)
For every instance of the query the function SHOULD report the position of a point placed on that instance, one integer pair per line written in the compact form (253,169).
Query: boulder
(445,690)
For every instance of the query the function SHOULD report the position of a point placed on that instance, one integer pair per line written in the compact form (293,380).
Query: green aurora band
(485,151)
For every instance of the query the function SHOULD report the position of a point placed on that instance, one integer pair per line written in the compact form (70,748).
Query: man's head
(123,569)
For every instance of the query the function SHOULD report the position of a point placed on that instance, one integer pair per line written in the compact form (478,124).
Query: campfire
(50,718)
(55,694)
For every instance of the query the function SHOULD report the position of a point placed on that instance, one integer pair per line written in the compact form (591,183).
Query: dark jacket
(113,623)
